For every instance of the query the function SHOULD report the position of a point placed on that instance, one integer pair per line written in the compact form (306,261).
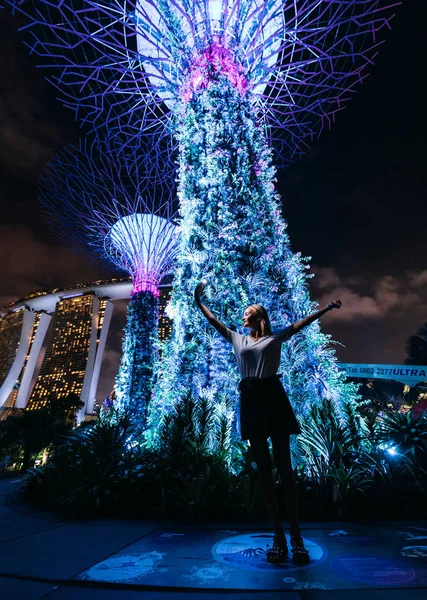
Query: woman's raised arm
(296,327)
(220,327)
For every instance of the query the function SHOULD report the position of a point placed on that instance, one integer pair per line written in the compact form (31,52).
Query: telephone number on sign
(382,371)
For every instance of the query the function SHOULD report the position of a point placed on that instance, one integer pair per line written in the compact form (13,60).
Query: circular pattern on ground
(375,570)
(248,552)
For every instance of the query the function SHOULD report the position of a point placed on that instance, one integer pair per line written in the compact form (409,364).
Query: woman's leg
(262,457)
(282,459)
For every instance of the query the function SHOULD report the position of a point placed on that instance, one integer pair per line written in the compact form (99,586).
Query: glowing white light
(256,27)
(71,296)
(215,9)
(392,450)
(148,243)
(272,35)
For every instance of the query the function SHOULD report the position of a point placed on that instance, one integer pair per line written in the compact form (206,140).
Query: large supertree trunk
(233,234)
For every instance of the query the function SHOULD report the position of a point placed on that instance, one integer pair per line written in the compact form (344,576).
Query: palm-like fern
(196,472)
(328,435)
(405,431)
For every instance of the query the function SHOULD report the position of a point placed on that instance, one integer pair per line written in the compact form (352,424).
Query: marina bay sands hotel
(52,343)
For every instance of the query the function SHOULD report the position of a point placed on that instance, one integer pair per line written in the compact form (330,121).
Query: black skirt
(265,409)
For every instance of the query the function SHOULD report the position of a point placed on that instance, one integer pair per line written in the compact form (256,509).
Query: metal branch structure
(121,207)
(129,63)
(142,243)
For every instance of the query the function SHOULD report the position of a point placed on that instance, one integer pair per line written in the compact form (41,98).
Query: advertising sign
(408,374)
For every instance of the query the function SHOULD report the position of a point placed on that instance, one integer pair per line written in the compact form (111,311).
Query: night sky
(355,202)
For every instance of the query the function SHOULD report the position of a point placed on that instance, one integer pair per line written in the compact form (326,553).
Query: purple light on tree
(120,207)
(143,245)
(128,63)
(214,59)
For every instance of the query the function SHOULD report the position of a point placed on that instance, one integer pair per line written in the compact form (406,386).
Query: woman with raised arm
(265,412)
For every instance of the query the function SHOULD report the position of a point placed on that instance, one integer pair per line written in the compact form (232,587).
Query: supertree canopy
(121,207)
(142,244)
(130,62)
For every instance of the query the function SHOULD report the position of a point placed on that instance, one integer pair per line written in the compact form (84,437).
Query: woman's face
(250,319)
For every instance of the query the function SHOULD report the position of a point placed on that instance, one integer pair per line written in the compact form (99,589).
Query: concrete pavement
(44,556)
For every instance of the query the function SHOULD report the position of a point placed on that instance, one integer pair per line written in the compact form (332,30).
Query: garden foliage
(104,468)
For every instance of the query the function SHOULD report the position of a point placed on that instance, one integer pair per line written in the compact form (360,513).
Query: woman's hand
(296,327)
(336,304)
(220,327)
(199,291)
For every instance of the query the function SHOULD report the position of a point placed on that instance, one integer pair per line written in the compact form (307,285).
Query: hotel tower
(52,343)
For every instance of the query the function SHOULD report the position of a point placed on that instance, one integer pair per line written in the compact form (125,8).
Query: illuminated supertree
(121,208)
(130,62)
(230,79)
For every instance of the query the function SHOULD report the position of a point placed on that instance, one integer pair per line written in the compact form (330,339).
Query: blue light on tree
(233,234)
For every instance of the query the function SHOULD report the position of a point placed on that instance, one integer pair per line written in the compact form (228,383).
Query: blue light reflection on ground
(375,570)
(125,567)
(248,552)
(187,556)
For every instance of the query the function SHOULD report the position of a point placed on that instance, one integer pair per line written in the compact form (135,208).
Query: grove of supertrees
(233,81)
(120,207)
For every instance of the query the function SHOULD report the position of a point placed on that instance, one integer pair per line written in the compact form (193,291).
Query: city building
(52,342)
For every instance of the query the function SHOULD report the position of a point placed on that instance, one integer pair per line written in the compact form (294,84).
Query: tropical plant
(347,481)
(64,409)
(86,461)
(328,435)
(30,430)
(107,467)
(382,396)
(404,431)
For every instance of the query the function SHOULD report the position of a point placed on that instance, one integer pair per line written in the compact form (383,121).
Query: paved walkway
(44,556)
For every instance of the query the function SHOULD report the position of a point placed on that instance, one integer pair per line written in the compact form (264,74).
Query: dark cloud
(377,316)
(29,264)
(386,295)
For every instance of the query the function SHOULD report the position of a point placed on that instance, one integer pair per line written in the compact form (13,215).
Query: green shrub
(107,468)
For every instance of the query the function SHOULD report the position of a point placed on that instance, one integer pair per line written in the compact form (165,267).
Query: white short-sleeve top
(260,358)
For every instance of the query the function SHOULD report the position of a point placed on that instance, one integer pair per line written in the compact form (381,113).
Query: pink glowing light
(144,284)
(206,66)
(145,245)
